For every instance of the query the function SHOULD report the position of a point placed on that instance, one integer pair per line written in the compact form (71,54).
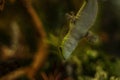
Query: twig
(44,76)
(15,74)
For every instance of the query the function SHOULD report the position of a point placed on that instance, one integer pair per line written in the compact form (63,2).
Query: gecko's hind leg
(91,37)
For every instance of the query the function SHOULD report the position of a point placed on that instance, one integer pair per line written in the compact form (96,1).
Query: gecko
(79,26)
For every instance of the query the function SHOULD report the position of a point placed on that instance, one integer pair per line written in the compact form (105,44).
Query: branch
(42,53)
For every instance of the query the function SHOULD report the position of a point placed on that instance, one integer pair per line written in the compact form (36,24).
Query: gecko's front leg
(71,17)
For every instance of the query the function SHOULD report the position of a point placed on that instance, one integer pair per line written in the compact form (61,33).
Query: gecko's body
(79,28)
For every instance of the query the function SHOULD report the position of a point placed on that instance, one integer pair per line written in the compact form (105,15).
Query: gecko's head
(64,53)
(61,53)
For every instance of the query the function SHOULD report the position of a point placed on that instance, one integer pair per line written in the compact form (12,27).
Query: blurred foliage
(88,61)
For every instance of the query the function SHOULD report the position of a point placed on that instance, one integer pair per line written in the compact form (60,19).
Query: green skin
(79,26)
